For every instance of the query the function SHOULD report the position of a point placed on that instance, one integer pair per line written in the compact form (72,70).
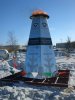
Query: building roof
(39,13)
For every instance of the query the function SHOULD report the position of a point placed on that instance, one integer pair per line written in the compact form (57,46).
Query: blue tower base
(61,80)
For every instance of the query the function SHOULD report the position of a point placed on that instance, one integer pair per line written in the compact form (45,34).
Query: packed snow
(6,69)
(23,91)
(27,92)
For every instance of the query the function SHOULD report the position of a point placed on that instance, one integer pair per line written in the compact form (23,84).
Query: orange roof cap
(39,13)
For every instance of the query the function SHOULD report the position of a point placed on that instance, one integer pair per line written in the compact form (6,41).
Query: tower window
(44,24)
(35,24)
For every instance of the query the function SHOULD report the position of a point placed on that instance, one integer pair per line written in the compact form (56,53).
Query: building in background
(21,48)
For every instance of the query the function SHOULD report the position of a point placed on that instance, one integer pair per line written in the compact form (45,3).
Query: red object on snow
(15,65)
(62,73)
(23,73)
(14,62)
(14,57)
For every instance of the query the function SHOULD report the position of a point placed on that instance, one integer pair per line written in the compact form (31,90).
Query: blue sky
(14,17)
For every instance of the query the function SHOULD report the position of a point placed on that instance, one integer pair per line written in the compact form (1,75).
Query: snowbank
(26,92)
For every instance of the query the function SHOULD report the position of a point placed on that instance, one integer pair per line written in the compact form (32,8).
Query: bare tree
(12,42)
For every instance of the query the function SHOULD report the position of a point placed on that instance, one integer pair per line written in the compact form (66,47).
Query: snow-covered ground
(22,91)
(27,92)
(65,62)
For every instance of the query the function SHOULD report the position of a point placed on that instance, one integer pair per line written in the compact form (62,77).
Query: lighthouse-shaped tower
(40,59)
